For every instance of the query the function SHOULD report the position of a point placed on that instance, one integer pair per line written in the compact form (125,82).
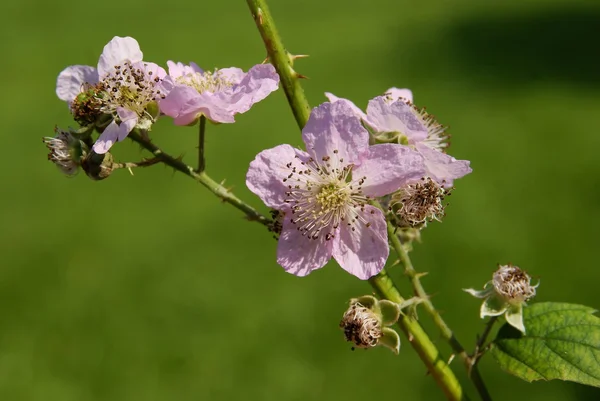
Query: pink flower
(126,86)
(324,192)
(394,115)
(218,95)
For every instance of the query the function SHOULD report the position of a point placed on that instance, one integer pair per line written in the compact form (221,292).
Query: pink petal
(107,139)
(396,93)
(359,113)
(178,69)
(388,167)
(117,51)
(113,133)
(397,116)
(152,70)
(298,254)
(185,105)
(70,80)
(129,120)
(233,74)
(442,167)
(260,81)
(335,127)
(363,252)
(268,170)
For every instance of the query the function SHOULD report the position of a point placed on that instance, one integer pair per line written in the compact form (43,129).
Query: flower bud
(66,151)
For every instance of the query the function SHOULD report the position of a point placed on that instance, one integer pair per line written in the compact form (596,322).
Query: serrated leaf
(562,342)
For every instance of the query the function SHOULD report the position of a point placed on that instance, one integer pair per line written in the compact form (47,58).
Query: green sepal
(390,339)
(390,312)
(368,301)
(493,306)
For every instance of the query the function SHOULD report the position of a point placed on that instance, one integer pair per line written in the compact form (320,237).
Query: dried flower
(66,151)
(506,294)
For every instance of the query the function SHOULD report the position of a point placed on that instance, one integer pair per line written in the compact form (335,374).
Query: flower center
(324,195)
(207,81)
(512,283)
(131,87)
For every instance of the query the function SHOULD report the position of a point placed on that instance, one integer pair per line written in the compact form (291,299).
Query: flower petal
(364,250)
(69,81)
(334,128)
(359,113)
(514,317)
(442,167)
(396,94)
(387,167)
(129,120)
(117,51)
(178,69)
(298,254)
(267,172)
(492,306)
(250,88)
(152,70)
(185,105)
(107,139)
(396,116)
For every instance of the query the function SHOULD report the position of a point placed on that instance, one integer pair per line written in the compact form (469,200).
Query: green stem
(445,330)
(420,341)
(223,193)
(201,158)
(281,59)
(383,285)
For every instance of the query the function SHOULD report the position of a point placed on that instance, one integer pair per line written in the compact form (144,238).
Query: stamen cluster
(361,326)
(207,81)
(132,87)
(323,195)
(420,202)
(513,284)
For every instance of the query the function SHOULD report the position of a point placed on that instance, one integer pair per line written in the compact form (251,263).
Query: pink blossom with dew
(128,86)
(395,113)
(324,192)
(218,95)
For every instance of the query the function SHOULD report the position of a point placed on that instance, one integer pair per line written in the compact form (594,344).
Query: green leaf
(562,342)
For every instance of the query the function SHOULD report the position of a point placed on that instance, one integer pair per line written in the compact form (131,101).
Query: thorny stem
(130,165)
(382,284)
(445,330)
(427,351)
(281,59)
(223,193)
(477,353)
(201,158)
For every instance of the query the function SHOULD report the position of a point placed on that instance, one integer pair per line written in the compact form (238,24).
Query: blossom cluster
(124,92)
(360,174)
(329,195)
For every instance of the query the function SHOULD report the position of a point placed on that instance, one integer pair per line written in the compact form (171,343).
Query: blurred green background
(148,288)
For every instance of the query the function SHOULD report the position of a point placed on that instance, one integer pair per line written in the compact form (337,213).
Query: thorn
(300,76)
(422,274)
(396,262)
(451,359)
(130,170)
